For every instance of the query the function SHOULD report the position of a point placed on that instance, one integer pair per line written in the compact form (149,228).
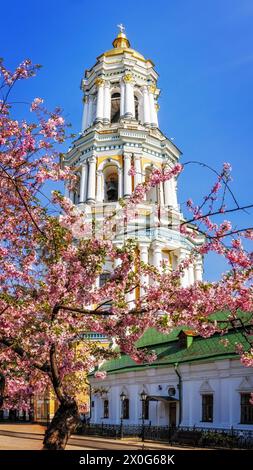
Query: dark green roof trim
(160,366)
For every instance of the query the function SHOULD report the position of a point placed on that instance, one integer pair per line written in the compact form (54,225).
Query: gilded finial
(121,40)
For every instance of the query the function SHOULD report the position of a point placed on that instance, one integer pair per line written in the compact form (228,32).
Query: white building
(194,381)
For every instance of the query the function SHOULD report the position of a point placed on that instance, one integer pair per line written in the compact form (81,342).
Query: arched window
(151,195)
(125,408)
(106,409)
(111,180)
(136,107)
(115,107)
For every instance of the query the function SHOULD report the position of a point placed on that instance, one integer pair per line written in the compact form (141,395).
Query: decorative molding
(245,385)
(206,387)
(99,82)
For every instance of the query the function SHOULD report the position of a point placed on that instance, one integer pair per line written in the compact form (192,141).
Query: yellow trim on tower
(101,159)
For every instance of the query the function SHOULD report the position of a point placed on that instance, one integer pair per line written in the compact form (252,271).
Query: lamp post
(47,400)
(31,411)
(122,399)
(143,401)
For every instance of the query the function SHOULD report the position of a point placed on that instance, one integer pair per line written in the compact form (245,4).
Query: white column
(90,111)
(130,298)
(122,98)
(85,114)
(157,256)
(129,96)
(198,270)
(146,106)
(184,276)
(153,112)
(174,192)
(99,196)
(91,180)
(100,99)
(161,198)
(144,259)
(170,194)
(127,177)
(120,183)
(107,103)
(83,185)
(137,167)
(191,274)
(157,109)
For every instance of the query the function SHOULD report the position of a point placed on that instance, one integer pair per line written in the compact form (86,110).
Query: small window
(111,183)
(246,409)
(125,409)
(145,409)
(136,108)
(207,408)
(115,107)
(106,409)
(112,188)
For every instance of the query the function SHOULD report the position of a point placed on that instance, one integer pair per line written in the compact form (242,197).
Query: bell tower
(119,130)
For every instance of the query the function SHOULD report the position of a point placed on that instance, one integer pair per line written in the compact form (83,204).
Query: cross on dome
(121,27)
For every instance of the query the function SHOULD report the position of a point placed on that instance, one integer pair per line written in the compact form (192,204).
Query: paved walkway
(30,437)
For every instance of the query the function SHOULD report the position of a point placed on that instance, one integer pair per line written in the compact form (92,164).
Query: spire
(121,40)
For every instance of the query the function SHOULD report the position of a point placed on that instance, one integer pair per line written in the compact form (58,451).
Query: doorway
(172,414)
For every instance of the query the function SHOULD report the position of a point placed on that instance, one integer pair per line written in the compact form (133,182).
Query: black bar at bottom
(109,459)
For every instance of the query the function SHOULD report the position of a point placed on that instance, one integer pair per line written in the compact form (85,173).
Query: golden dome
(121,41)
(120,45)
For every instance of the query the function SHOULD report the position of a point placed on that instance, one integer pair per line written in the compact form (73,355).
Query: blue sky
(203,54)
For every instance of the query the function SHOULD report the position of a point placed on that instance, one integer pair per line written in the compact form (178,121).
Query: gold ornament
(128,78)
(152,88)
(99,82)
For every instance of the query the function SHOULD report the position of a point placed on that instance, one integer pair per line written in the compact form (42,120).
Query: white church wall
(221,378)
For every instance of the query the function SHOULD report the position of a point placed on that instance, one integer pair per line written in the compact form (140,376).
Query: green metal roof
(170,352)
(152,337)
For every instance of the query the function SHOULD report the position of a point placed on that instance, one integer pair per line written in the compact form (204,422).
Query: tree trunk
(2,389)
(62,426)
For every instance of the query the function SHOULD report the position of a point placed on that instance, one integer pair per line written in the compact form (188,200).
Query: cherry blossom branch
(10,343)
(233,232)
(23,201)
(217,173)
(226,211)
